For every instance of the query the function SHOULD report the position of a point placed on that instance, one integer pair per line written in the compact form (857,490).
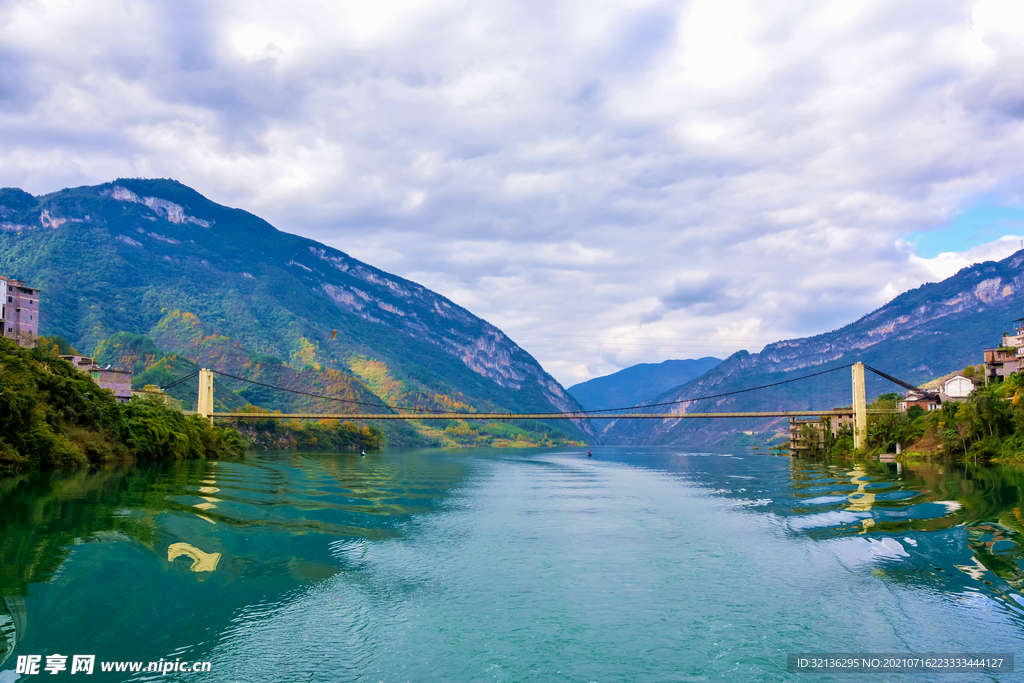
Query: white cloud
(948,263)
(609,182)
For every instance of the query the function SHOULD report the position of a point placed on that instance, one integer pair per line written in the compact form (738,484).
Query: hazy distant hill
(923,333)
(638,383)
(223,288)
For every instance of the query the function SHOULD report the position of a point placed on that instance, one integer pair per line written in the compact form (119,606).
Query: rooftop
(17,283)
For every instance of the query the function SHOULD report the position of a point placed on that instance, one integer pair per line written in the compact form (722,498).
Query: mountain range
(151,275)
(155,276)
(638,383)
(923,333)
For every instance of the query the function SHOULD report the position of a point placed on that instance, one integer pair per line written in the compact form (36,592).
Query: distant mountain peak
(638,383)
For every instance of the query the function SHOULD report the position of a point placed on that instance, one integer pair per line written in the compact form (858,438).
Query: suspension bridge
(858,413)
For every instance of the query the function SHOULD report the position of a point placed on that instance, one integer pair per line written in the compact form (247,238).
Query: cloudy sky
(608,182)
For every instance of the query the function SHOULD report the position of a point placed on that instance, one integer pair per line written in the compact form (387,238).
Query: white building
(958,387)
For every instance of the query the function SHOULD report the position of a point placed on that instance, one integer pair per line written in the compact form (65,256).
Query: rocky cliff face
(923,333)
(418,312)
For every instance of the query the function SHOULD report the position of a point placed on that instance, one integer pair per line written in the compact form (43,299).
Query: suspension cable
(894,380)
(333,398)
(178,381)
(728,393)
(580,412)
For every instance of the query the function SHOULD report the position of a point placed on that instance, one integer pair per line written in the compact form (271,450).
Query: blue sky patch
(985,221)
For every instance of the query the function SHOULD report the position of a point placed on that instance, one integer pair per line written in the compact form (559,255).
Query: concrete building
(1007,359)
(19,311)
(807,434)
(118,381)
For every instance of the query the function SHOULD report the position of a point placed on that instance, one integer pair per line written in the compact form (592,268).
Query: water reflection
(191,555)
(914,497)
(13,616)
(949,525)
(998,549)
(201,562)
(194,530)
(861,500)
(953,528)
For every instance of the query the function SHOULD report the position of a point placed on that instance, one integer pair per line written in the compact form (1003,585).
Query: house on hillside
(150,391)
(1007,359)
(118,381)
(920,399)
(957,388)
(19,311)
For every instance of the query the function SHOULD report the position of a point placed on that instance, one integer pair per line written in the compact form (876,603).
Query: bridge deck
(532,416)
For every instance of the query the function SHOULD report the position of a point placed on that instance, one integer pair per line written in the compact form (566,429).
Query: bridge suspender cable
(894,380)
(905,385)
(582,413)
(331,398)
(728,393)
(186,378)
(178,381)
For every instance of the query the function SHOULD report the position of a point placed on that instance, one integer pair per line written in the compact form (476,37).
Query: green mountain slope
(638,383)
(923,333)
(222,288)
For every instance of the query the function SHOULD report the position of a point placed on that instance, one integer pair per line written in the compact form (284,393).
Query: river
(636,564)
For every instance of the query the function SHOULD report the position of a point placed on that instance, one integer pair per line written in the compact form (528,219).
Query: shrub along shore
(54,416)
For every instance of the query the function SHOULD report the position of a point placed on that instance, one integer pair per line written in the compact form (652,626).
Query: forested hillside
(54,416)
(219,287)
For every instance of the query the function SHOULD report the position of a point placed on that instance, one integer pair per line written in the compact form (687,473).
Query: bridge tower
(860,407)
(205,404)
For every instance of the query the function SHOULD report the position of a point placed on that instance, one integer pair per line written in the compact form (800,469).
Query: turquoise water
(497,565)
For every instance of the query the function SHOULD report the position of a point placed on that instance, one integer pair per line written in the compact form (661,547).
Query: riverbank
(986,427)
(56,417)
